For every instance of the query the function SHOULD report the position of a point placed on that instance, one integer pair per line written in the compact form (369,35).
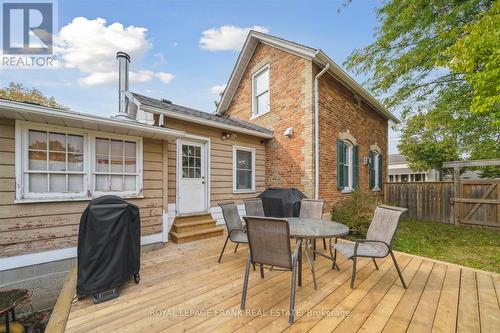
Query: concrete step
(190,236)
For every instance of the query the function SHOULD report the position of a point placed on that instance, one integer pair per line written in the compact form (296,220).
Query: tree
(17,92)
(438,62)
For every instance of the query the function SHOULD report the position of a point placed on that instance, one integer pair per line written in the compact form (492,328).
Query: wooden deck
(183,288)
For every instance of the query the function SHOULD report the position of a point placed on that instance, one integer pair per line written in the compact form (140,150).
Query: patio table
(307,230)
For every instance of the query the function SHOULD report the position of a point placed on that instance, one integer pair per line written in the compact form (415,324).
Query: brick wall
(289,161)
(338,114)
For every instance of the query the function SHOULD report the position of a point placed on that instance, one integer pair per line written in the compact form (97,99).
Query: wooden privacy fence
(470,202)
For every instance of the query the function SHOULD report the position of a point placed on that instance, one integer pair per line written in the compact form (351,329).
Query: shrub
(358,213)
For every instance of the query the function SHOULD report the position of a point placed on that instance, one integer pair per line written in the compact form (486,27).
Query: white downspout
(316,132)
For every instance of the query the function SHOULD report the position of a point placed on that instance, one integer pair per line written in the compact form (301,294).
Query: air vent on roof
(164,100)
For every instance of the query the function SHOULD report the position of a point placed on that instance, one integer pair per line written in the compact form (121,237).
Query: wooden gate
(477,203)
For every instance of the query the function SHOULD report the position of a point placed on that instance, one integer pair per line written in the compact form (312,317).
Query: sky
(183,51)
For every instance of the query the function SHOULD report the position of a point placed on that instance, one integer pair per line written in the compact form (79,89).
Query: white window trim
(21,161)
(254,98)
(252,150)
(350,165)
(376,186)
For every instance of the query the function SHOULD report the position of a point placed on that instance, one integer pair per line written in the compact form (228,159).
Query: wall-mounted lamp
(366,160)
(288,132)
(226,136)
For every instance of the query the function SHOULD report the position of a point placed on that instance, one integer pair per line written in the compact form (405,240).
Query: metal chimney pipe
(123,62)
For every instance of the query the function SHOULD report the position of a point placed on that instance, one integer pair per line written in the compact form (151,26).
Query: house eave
(45,115)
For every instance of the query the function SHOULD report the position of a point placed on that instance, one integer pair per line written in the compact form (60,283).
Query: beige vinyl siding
(221,162)
(36,227)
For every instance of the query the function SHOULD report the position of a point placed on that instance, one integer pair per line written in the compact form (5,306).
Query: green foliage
(17,92)
(449,132)
(437,61)
(477,55)
(467,246)
(358,213)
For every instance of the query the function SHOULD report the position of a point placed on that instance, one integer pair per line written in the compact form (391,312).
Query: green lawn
(473,247)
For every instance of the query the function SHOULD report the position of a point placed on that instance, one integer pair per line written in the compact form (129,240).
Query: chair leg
(314,249)
(261,271)
(236,248)
(223,248)
(245,283)
(292,292)
(324,244)
(353,277)
(375,263)
(397,269)
(334,255)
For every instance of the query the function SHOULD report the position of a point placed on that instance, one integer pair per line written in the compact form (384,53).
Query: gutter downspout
(316,131)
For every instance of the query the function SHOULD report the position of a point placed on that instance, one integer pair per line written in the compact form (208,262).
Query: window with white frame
(243,169)
(53,163)
(347,166)
(260,92)
(115,165)
(62,163)
(375,170)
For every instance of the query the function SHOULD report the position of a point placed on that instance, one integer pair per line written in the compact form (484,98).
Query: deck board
(184,289)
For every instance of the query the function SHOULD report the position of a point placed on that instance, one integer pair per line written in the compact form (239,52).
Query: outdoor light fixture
(366,160)
(289,132)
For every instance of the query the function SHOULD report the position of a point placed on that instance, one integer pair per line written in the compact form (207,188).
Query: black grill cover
(281,202)
(109,242)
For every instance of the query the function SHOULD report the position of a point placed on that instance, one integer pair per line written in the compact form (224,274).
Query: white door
(192,194)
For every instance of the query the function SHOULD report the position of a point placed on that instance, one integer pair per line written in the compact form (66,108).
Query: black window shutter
(372,169)
(380,171)
(340,164)
(355,171)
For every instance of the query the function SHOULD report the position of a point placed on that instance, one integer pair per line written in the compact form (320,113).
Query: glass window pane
(102,183)
(116,147)
(57,183)
(185,151)
(197,173)
(130,149)
(243,159)
(75,143)
(57,141)
(75,183)
(191,162)
(197,151)
(185,172)
(102,163)
(262,82)
(116,183)
(57,161)
(75,162)
(243,180)
(185,161)
(190,150)
(191,173)
(116,163)
(130,183)
(38,183)
(102,146)
(263,103)
(37,140)
(37,160)
(130,164)
(197,162)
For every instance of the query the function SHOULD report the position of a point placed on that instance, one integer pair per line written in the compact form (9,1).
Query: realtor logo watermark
(28,29)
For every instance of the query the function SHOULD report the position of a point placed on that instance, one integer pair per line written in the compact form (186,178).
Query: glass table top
(316,228)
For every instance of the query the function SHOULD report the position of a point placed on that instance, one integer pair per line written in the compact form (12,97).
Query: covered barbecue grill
(281,202)
(108,247)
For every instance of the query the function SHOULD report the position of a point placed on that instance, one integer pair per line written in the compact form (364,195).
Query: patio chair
(313,209)
(253,207)
(378,242)
(269,244)
(235,230)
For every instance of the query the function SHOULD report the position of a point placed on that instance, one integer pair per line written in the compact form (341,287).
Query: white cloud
(217,89)
(227,37)
(90,46)
(165,77)
(160,58)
